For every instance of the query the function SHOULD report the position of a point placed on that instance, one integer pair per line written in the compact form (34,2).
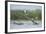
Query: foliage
(19,14)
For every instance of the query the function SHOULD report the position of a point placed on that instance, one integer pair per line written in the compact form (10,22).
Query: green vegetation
(19,14)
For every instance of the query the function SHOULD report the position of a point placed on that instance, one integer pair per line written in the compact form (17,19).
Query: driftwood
(18,23)
(34,22)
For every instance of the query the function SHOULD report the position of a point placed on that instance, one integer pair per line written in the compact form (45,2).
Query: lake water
(25,24)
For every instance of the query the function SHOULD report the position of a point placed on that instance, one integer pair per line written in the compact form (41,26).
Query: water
(24,24)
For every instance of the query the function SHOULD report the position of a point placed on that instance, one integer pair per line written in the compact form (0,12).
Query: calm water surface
(25,24)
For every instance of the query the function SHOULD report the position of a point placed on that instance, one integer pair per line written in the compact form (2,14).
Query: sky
(22,7)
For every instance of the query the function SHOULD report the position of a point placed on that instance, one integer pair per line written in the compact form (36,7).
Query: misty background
(23,7)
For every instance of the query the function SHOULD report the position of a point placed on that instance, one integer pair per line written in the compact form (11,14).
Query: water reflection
(25,24)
